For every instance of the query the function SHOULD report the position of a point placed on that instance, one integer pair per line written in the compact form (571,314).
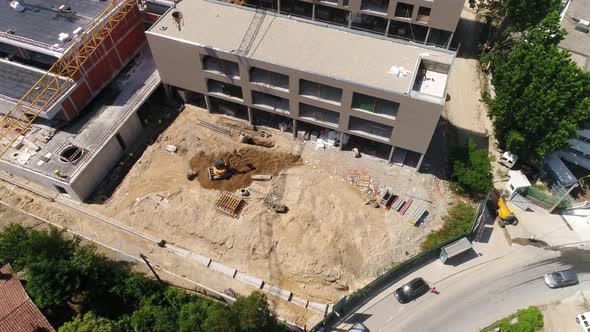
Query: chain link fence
(353,302)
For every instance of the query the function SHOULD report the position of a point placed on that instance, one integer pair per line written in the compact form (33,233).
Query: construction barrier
(351,303)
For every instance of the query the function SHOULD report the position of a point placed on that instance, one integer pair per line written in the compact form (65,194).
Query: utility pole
(150,266)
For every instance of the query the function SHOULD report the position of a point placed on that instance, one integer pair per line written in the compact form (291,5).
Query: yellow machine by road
(506,215)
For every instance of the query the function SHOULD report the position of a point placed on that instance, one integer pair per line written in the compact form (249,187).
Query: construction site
(307,196)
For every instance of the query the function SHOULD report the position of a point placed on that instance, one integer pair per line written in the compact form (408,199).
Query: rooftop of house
(300,44)
(101,119)
(38,23)
(17,312)
(576,41)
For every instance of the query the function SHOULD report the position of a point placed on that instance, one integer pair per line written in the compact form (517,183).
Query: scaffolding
(47,89)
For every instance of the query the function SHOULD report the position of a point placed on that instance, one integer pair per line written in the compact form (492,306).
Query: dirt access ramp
(327,245)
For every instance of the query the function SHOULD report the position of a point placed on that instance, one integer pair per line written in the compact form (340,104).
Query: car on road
(561,278)
(584,321)
(411,291)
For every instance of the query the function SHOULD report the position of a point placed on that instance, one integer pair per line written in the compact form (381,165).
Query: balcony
(404,10)
(269,79)
(222,67)
(269,102)
(369,128)
(423,14)
(377,6)
(321,92)
(225,90)
(318,114)
(375,105)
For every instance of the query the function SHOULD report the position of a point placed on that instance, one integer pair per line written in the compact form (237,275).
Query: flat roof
(576,41)
(300,44)
(40,23)
(101,119)
(15,80)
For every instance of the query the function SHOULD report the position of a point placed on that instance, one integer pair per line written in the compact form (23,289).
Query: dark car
(411,291)
(561,279)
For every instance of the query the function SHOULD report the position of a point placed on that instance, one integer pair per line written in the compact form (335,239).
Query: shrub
(471,170)
(455,223)
(529,320)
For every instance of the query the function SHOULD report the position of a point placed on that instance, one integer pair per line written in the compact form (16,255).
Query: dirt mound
(251,161)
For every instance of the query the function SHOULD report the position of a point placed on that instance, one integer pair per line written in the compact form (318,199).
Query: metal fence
(357,299)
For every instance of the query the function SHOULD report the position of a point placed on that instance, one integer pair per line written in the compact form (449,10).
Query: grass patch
(529,320)
(455,223)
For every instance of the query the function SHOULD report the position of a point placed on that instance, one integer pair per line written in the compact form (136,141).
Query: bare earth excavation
(326,243)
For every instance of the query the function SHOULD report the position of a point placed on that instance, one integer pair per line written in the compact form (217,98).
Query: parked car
(584,321)
(358,327)
(411,291)
(561,278)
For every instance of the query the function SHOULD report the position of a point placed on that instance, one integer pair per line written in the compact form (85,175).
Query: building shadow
(469,37)
(446,137)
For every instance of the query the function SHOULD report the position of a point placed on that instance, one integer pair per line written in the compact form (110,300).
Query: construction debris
(171,148)
(215,128)
(260,177)
(356,153)
(191,174)
(230,204)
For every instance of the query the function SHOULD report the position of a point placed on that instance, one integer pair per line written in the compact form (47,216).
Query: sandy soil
(561,316)
(328,244)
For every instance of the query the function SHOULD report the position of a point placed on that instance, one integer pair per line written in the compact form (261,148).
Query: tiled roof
(17,311)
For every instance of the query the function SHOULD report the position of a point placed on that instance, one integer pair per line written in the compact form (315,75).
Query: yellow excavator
(221,168)
(506,215)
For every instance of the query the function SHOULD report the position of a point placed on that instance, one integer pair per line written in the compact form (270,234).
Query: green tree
(192,315)
(541,95)
(154,318)
(471,169)
(254,314)
(89,323)
(220,319)
(14,246)
(519,14)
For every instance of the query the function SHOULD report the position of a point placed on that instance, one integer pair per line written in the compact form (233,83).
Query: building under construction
(60,126)
(254,63)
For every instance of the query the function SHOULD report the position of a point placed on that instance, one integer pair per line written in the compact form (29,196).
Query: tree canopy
(105,296)
(471,169)
(519,14)
(541,95)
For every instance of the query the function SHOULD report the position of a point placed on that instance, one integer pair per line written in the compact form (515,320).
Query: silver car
(561,278)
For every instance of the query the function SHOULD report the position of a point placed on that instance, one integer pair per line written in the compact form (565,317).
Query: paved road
(479,295)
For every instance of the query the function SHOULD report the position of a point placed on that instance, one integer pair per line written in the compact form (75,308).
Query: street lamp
(575,185)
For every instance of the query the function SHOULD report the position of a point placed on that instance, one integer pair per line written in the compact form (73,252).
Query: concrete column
(294,129)
(390,154)
(420,163)
(250,116)
(387,28)
(340,147)
(349,19)
(208,103)
(427,34)
(313,12)
(450,39)
(168,92)
(279,6)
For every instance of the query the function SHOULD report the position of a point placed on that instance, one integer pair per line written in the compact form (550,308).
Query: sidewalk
(551,229)
(437,274)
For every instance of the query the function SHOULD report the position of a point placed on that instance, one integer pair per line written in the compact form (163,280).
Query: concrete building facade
(247,63)
(431,22)
(83,131)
